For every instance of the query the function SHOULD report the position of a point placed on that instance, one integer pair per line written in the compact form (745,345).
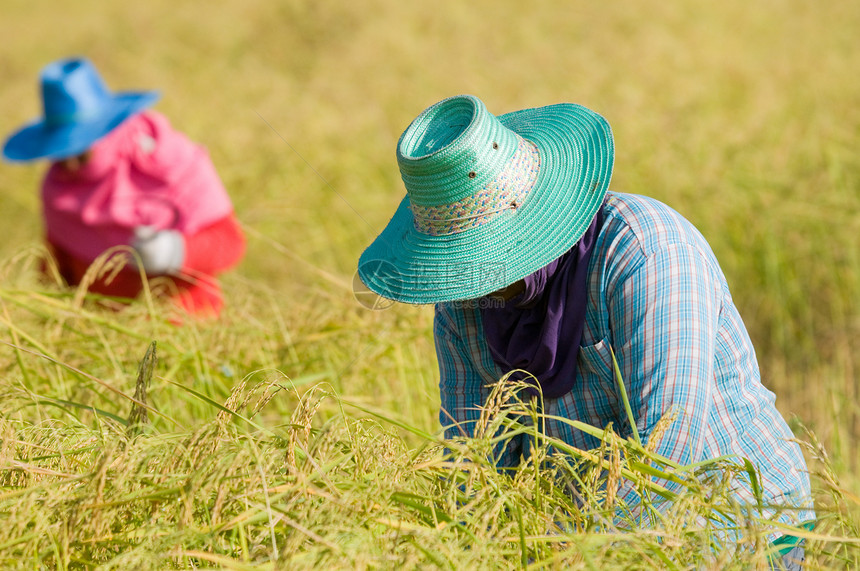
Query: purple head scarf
(540,329)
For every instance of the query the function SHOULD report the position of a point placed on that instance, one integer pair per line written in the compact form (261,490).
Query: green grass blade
(630,418)
(218,405)
(61,403)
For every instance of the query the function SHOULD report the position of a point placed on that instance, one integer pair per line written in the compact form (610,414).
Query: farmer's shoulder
(458,318)
(647,225)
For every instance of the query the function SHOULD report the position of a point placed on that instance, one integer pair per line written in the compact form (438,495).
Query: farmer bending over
(121,176)
(509,228)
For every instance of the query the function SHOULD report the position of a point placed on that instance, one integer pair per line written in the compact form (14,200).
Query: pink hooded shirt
(141,173)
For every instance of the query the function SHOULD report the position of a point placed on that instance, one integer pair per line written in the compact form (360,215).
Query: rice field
(300,430)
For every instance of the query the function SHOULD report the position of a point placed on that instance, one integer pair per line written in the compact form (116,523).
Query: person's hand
(160,251)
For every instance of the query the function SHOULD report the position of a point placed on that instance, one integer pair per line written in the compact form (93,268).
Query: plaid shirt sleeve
(682,347)
(664,322)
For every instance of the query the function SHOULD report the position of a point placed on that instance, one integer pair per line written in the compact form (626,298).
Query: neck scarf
(540,329)
(142,173)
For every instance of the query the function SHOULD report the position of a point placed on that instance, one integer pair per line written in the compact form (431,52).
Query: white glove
(160,251)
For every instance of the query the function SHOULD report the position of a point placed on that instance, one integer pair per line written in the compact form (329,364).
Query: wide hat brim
(42,140)
(576,158)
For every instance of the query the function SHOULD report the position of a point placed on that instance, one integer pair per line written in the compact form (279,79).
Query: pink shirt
(142,172)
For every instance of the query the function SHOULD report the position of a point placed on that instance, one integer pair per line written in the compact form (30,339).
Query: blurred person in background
(533,265)
(121,176)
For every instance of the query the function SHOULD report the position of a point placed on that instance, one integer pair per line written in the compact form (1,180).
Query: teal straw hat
(489,199)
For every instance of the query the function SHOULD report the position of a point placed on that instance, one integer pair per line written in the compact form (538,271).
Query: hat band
(507,191)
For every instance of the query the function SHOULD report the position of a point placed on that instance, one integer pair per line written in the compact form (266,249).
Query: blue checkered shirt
(658,297)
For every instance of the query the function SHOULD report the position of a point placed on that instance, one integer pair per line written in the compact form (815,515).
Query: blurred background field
(743,116)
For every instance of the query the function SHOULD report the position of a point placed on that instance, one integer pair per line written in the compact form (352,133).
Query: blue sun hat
(78,110)
(489,199)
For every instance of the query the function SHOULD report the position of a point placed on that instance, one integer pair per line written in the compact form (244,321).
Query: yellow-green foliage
(741,115)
